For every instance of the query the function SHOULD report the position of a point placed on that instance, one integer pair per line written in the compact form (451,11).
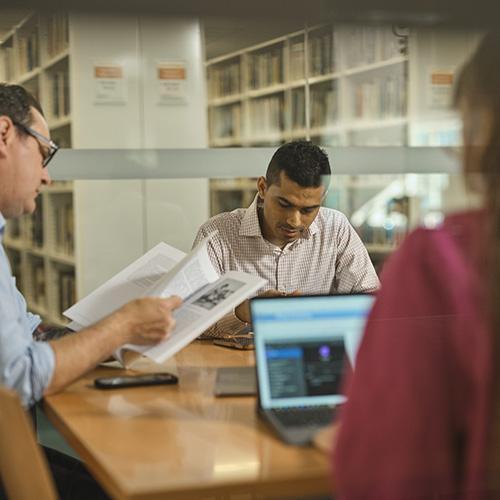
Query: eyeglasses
(47,154)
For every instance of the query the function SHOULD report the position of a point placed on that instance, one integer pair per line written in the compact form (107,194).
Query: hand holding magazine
(162,272)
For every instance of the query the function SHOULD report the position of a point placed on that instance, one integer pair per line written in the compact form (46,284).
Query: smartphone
(135,380)
(244,342)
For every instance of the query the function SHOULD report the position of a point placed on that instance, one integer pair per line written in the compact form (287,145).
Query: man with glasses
(34,368)
(48,148)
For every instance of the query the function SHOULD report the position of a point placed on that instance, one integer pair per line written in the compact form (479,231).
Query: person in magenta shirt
(422,419)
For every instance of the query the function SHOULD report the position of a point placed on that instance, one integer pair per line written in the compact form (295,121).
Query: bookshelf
(85,231)
(338,85)
(316,83)
(35,54)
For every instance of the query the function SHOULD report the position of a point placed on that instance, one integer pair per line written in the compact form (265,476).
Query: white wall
(174,208)
(430,51)
(117,221)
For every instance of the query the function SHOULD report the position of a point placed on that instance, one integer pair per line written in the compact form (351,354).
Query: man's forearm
(77,354)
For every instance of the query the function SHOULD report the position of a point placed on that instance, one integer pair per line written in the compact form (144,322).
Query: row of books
(321,54)
(379,98)
(367,45)
(266,68)
(266,115)
(66,289)
(38,288)
(28,52)
(297,60)
(224,80)
(35,227)
(57,33)
(64,227)
(324,105)
(13,229)
(227,122)
(298,109)
(8,63)
(60,100)
(15,261)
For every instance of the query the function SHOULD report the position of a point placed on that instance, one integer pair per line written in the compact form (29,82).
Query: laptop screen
(301,344)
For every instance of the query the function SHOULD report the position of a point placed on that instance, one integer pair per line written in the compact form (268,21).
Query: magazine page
(192,273)
(132,282)
(200,311)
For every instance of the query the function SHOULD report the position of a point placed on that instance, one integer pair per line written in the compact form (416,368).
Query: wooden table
(180,441)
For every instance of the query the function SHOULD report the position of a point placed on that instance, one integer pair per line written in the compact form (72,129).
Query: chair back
(24,471)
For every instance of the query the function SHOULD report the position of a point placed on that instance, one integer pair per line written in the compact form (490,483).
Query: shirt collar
(2,224)
(250,225)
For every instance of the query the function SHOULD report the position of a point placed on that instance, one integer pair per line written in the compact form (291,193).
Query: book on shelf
(380,97)
(13,229)
(60,102)
(64,227)
(266,115)
(297,60)
(227,122)
(57,33)
(224,80)
(324,105)
(321,53)
(298,108)
(266,68)
(35,227)
(28,52)
(162,272)
(66,289)
(38,285)
(8,60)
(15,260)
(361,45)
(368,44)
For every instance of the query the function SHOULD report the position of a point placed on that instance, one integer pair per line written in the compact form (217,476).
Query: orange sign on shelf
(108,71)
(171,73)
(109,83)
(171,77)
(442,78)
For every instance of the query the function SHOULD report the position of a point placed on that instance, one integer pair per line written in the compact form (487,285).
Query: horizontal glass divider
(74,164)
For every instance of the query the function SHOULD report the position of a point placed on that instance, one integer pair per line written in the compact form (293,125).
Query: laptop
(302,345)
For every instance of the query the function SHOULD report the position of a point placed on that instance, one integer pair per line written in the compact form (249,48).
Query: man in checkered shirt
(287,238)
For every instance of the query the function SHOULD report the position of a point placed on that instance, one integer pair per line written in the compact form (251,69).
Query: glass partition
(164,121)
(84,233)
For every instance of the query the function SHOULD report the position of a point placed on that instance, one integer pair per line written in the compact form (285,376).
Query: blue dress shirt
(26,366)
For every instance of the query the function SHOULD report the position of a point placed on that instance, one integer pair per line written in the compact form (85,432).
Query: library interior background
(165,121)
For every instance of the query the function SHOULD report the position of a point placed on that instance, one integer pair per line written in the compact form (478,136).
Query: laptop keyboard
(304,416)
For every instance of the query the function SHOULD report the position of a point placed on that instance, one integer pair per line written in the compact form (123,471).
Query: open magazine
(161,272)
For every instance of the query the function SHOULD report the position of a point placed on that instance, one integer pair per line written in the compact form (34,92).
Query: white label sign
(440,89)
(109,84)
(171,78)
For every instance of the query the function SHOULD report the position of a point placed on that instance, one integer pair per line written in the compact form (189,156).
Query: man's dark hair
(303,163)
(16,103)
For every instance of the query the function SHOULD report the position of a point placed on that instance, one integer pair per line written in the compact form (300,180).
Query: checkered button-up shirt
(328,258)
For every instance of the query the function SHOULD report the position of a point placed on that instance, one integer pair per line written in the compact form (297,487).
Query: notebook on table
(302,344)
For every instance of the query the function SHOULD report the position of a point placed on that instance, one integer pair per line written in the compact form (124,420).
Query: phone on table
(135,380)
(244,342)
